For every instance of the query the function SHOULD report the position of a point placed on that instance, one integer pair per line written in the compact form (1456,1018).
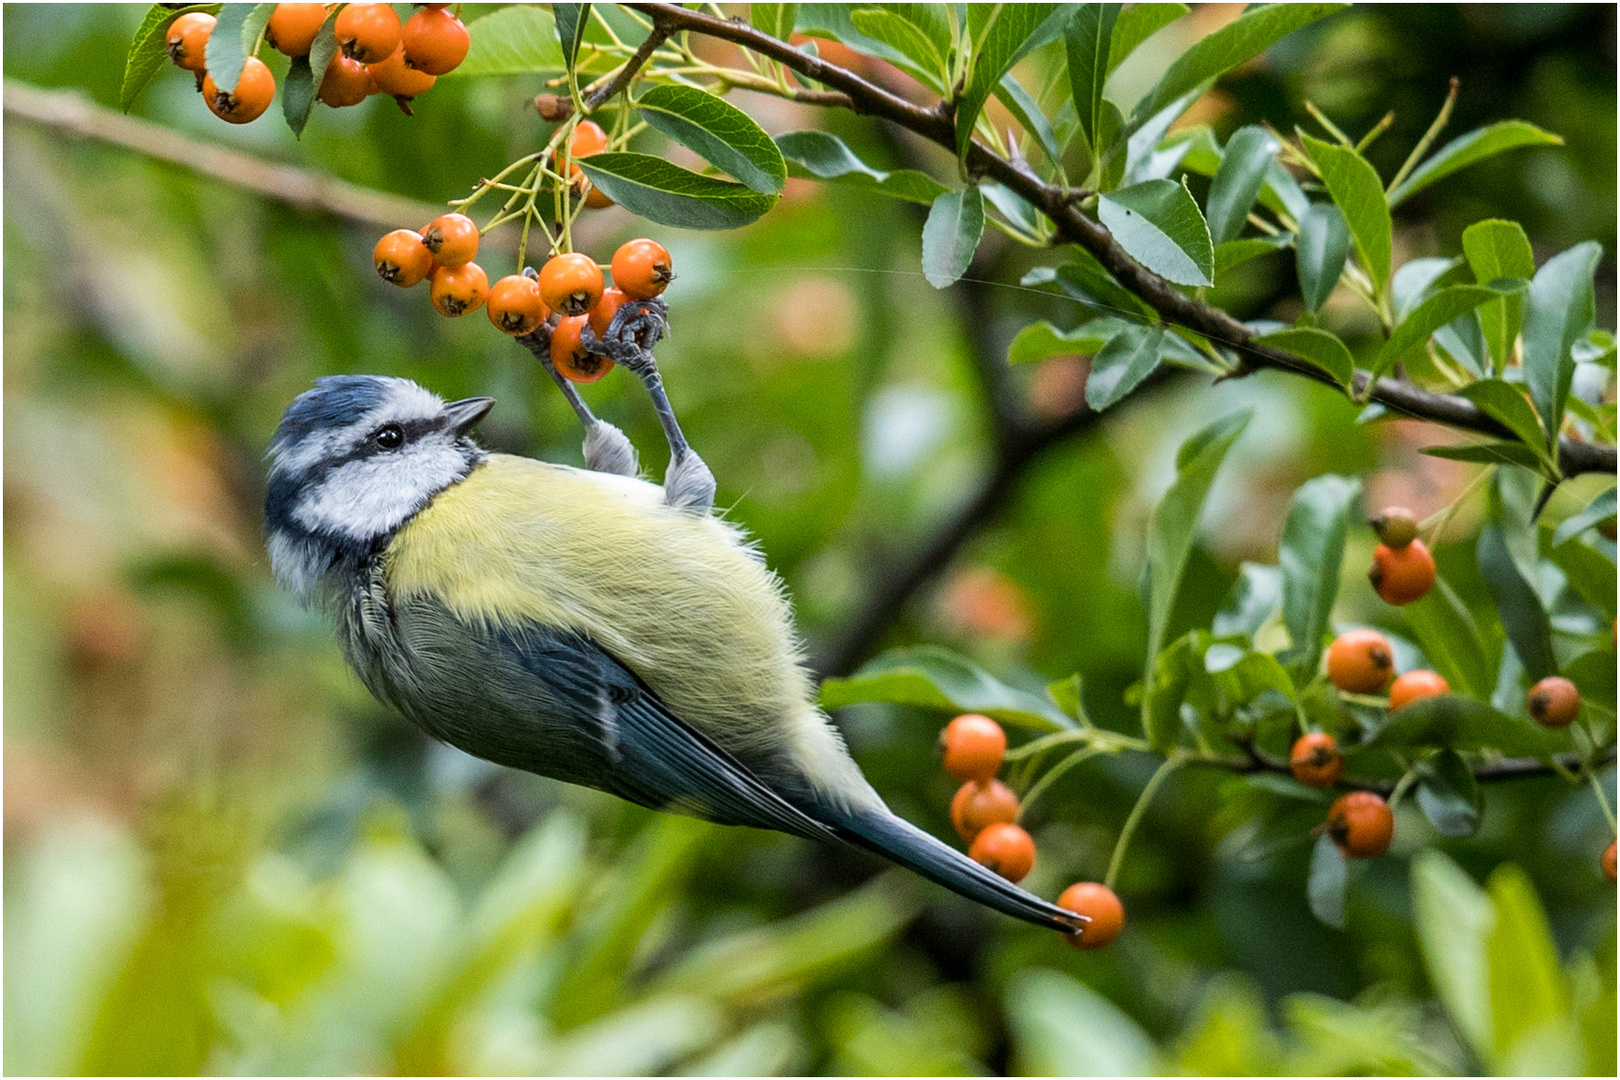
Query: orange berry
(1360,662)
(1315,760)
(571,283)
(515,306)
(642,268)
(1415,686)
(1006,849)
(1395,526)
(402,258)
(973,747)
(569,355)
(1098,902)
(453,239)
(457,290)
(976,806)
(602,314)
(245,104)
(187,41)
(1608,862)
(1402,575)
(395,78)
(292,28)
(588,138)
(346,82)
(368,32)
(435,41)
(1362,824)
(1554,702)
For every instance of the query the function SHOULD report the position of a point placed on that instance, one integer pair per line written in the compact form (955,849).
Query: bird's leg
(636,327)
(607,449)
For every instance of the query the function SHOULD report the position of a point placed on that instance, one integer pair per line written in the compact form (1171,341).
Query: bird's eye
(389,437)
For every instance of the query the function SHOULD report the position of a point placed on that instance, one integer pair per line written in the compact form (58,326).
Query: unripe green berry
(1396,526)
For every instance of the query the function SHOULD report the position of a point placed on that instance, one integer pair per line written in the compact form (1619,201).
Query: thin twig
(655,37)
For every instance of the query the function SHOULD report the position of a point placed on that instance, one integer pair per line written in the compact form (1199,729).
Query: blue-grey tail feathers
(900,841)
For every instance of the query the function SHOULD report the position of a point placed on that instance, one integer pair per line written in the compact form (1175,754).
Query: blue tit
(571,623)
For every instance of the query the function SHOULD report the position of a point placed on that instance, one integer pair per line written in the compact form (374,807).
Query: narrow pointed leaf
(1282,192)
(1596,512)
(1319,348)
(937,678)
(572,20)
(1445,630)
(1158,224)
(1235,253)
(1309,555)
(927,63)
(148,50)
(1506,403)
(517,40)
(1135,25)
(1559,310)
(300,86)
(1517,604)
(236,30)
(663,192)
(1465,150)
(1438,310)
(1087,281)
(1247,36)
(1490,453)
(1039,340)
(1171,532)
(1120,366)
(826,157)
(1256,593)
(1414,282)
(1461,723)
(1359,193)
(776,20)
(1453,918)
(1244,165)
(1012,94)
(1088,39)
(724,134)
(1320,253)
(1325,887)
(1002,35)
(1499,249)
(951,235)
(1448,794)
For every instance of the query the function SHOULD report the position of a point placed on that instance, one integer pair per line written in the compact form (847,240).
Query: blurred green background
(224,856)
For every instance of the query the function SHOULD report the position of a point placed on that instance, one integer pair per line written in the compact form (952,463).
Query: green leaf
(1062,1027)
(517,40)
(1318,348)
(718,130)
(1413,282)
(299,88)
(572,21)
(1120,366)
(236,32)
(1039,340)
(1088,39)
(1028,111)
(1591,573)
(1506,403)
(1135,25)
(1237,252)
(827,157)
(1453,917)
(1242,39)
(1283,194)
(1171,532)
(1445,629)
(937,678)
(1244,166)
(148,50)
(1002,34)
(670,195)
(1517,604)
(1086,280)
(1594,673)
(1325,887)
(1069,695)
(927,63)
(1158,224)
(1460,723)
(1529,999)
(1321,250)
(1255,594)
(951,235)
(1355,187)
(1499,249)
(833,21)
(1309,555)
(1559,310)
(1596,512)
(1465,150)
(1438,310)
(776,20)
(1489,453)
(1448,794)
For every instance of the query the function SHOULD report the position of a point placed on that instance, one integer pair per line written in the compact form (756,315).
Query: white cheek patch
(403,401)
(373,496)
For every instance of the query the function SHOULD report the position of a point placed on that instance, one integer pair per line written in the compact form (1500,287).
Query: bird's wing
(554,702)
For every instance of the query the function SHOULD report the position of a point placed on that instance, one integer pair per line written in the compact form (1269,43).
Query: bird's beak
(465,413)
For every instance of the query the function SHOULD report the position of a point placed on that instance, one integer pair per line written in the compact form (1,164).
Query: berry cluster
(570,285)
(985,813)
(376,54)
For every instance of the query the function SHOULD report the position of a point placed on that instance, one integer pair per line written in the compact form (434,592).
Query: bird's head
(352,460)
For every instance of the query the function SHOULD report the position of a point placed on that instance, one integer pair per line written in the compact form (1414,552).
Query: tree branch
(656,37)
(1574,456)
(1257,760)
